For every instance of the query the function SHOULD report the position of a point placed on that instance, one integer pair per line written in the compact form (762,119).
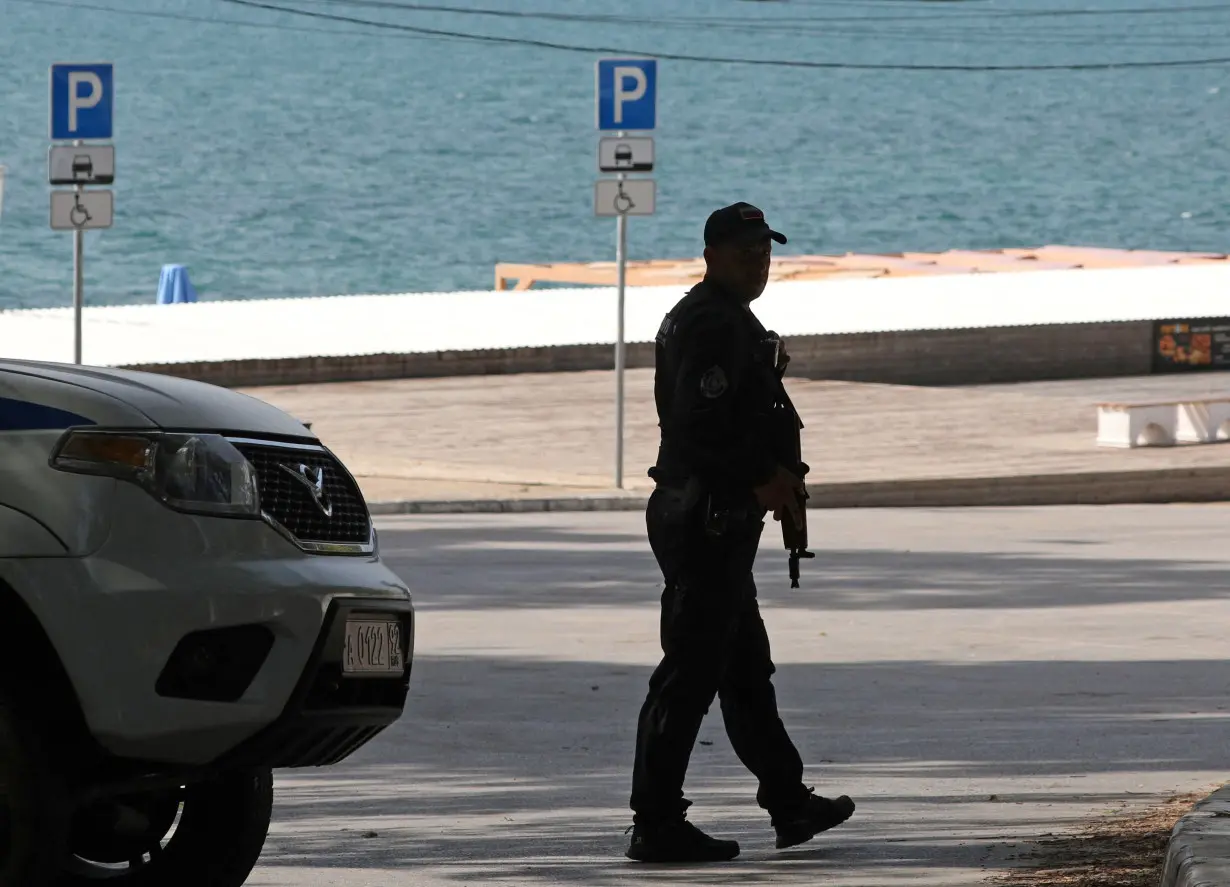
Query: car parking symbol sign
(627,94)
(82,100)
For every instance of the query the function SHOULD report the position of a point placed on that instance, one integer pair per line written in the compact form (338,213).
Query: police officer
(717,479)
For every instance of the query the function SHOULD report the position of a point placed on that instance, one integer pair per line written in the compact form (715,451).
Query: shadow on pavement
(513,770)
(609,569)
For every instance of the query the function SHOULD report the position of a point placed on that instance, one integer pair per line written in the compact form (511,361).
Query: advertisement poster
(1187,345)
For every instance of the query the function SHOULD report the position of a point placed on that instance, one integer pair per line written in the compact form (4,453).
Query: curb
(1198,853)
(1148,486)
(1155,486)
(511,506)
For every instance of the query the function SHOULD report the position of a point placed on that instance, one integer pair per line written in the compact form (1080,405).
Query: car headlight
(196,473)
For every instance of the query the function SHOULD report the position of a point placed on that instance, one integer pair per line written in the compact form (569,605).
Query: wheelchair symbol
(79,214)
(623,203)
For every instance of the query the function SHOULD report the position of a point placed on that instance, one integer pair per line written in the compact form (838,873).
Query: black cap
(738,222)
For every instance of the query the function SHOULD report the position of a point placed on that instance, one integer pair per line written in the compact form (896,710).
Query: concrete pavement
(551,437)
(975,679)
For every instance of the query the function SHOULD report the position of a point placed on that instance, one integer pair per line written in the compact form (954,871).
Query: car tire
(221,830)
(33,806)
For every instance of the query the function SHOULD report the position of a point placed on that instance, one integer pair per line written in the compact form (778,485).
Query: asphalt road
(974,679)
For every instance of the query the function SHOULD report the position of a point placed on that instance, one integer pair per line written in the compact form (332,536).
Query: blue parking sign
(627,93)
(82,99)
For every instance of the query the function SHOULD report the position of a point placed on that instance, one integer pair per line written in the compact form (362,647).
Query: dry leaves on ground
(1120,850)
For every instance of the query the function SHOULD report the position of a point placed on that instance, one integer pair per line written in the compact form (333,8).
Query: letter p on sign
(82,99)
(627,94)
(623,77)
(77,101)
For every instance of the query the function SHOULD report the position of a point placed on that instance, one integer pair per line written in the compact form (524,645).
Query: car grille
(302,742)
(289,501)
(332,692)
(320,747)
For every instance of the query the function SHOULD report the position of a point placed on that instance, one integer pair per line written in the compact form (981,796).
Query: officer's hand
(793,509)
(780,495)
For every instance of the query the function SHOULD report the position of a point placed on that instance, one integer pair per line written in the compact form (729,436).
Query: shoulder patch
(713,383)
(663,329)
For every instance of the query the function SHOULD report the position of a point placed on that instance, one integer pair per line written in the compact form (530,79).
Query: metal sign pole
(621,251)
(78,280)
(626,99)
(78,117)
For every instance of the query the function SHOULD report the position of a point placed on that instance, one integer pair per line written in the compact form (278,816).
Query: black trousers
(714,644)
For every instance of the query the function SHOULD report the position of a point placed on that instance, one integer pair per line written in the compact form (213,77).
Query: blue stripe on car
(22,415)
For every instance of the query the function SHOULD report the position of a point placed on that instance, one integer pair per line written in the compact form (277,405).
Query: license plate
(373,646)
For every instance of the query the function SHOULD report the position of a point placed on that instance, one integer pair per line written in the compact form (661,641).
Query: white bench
(1164,423)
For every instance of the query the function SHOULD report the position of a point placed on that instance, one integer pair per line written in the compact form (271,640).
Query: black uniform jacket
(715,385)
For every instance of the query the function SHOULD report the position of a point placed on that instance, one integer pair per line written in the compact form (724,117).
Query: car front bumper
(330,715)
(117,617)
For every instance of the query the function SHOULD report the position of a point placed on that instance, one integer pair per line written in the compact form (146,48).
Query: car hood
(105,396)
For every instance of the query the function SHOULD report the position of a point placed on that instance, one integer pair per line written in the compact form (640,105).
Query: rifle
(788,427)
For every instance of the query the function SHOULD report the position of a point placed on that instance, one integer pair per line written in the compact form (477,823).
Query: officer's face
(744,267)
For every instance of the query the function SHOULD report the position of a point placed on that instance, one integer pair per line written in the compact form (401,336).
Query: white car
(191,595)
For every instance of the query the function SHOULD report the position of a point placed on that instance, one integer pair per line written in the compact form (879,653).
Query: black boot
(813,816)
(678,840)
